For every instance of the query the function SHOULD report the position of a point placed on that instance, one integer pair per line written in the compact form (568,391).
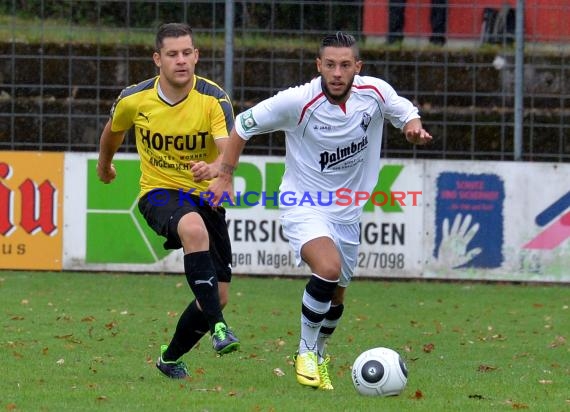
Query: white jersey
(329,147)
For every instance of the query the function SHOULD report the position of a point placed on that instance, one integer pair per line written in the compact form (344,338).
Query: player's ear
(358,66)
(319,64)
(156,59)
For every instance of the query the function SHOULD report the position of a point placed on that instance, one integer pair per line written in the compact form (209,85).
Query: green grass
(88,342)
(36,30)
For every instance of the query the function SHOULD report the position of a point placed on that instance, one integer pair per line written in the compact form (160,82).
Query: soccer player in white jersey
(333,133)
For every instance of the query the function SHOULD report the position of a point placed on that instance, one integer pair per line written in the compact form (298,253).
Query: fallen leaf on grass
(558,341)
(60,361)
(111,325)
(11,407)
(69,338)
(280,342)
(476,396)
(545,381)
(278,372)
(517,405)
(417,395)
(214,389)
(486,368)
(428,347)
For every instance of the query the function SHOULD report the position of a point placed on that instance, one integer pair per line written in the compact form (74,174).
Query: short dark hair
(339,39)
(171,30)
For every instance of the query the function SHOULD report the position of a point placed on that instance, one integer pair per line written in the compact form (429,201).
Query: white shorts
(301,225)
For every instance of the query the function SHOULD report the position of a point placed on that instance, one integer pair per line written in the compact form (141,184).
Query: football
(379,372)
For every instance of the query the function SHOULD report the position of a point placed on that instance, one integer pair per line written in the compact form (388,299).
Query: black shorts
(163,209)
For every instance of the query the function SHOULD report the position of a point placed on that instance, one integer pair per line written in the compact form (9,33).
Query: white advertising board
(429,219)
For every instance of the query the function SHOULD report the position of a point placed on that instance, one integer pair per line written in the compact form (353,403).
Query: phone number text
(374,260)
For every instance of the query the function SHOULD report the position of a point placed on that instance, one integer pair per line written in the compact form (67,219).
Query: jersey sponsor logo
(247,120)
(157,141)
(342,154)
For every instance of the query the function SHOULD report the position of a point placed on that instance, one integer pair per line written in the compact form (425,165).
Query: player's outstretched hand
(418,136)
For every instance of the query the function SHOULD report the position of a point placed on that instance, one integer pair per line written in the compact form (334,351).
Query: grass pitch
(88,342)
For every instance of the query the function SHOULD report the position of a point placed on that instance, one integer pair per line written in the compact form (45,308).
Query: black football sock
(331,319)
(315,305)
(191,326)
(328,327)
(202,279)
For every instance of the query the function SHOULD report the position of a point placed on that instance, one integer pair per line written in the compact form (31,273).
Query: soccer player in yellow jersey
(181,122)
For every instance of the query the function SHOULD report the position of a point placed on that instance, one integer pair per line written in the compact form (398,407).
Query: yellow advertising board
(31,210)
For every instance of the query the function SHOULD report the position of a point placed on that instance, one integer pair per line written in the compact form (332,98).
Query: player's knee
(329,270)
(191,229)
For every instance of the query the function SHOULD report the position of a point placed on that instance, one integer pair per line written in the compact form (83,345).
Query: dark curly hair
(339,39)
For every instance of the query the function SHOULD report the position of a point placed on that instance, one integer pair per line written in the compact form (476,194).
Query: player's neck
(172,94)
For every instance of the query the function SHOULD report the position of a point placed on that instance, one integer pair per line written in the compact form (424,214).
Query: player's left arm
(415,133)
(222,121)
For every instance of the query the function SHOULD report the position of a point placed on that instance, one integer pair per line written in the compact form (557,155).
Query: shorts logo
(247,120)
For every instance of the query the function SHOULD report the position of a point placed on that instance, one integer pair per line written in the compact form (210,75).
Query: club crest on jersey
(366,118)
(342,154)
(247,120)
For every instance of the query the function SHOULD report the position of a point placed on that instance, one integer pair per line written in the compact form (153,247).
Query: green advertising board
(116,231)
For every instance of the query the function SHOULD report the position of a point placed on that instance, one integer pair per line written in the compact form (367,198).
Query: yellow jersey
(169,136)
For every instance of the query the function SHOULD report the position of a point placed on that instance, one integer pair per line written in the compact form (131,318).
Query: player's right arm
(108,146)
